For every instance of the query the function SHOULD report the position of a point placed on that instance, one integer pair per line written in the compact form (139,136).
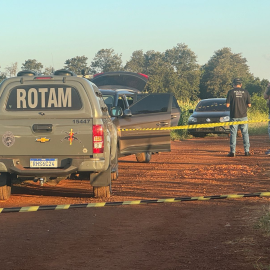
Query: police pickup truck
(57,126)
(52,127)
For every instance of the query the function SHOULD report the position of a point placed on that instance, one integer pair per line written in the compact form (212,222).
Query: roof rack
(64,72)
(26,73)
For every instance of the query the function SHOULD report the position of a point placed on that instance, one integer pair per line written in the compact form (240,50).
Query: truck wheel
(102,192)
(5,186)
(101,183)
(144,157)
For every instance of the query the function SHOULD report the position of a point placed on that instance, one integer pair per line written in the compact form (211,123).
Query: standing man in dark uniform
(238,99)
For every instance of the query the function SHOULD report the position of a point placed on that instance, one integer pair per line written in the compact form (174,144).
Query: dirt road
(216,234)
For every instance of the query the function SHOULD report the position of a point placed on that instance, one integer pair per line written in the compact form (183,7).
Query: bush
(258,105)
(180,134)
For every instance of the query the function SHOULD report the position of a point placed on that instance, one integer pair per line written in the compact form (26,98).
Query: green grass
(263,223)
(257,128)
(260,266)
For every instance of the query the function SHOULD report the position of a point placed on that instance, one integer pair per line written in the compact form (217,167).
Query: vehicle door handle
(162,124)
(173,116)
(42,127)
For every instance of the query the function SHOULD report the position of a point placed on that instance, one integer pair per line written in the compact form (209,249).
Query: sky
(53,31)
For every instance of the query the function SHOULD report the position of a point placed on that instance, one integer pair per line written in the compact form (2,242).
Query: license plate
(43,162)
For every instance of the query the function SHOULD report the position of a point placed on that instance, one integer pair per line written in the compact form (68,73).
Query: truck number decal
(81,121)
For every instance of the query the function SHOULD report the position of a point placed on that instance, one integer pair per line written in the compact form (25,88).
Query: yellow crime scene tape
(137,202)
(221,124)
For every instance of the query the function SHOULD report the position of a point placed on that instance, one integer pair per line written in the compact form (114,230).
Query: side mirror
(190,111)
(127,112)
(116,111)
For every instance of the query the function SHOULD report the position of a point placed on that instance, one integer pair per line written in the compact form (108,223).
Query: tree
(184,62)
(256,86)
(136,63)
(106,60)
(12,69)
(2,76)
(161,75)
(48,70)
(76,64)
(32,64)
(175,71)
(220,70)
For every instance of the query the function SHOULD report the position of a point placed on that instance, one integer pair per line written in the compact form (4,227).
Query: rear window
(210,105)
(42,97)
(114,81)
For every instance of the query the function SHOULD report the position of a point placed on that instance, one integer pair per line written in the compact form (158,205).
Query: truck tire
(144,157)
(114,175)
(102,192)
(5,186)
(101,183)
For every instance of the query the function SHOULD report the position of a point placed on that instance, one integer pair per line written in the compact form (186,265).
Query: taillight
(97,74)
(98,139)
(145,76)
(43,78)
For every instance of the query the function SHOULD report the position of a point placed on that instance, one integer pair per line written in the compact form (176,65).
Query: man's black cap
(237,81)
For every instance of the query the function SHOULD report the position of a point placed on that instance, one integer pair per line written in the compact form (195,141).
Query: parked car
(212,110)
(140,110)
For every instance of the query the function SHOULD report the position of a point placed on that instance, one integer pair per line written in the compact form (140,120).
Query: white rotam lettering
(64,100)
(21,94)
(52,98)
(43,91)
(32,98)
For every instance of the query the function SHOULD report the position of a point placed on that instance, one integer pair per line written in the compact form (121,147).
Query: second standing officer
(238,99)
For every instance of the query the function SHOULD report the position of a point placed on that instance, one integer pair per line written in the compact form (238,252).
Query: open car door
(151,111)
(175,109)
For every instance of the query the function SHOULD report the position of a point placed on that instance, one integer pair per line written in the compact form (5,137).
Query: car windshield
(211,105)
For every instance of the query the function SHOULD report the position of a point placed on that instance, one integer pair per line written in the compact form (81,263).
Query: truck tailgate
(46,137)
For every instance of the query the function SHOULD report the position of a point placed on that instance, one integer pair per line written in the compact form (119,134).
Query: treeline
(176,70)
